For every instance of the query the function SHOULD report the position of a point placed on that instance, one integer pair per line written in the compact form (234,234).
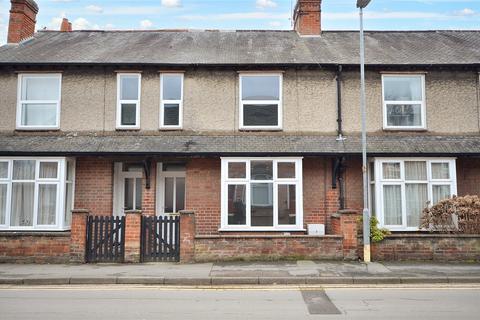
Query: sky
(248,14)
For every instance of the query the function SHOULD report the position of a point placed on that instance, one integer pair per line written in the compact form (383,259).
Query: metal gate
(105,239)
(160,239)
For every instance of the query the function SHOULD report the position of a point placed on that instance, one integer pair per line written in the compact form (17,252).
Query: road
(134,302)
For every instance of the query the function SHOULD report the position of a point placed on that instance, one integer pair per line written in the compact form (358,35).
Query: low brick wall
(424,247)
(34,247)
(265,247)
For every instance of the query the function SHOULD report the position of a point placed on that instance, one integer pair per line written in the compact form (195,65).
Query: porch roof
(239,145)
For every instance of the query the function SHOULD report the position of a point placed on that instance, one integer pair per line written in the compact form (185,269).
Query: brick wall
(203,184)
(22,20)
(41,247)
(468,176)
(94,185)
(422,247)
(273,247)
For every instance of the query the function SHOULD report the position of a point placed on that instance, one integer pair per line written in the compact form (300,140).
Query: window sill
(293,229)
(37,129)
(34,233)
(170,129)
(260,129)
(406,129)
(127,128)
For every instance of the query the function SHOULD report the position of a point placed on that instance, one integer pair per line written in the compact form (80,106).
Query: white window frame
(422,102)
(136,102)
(278,102)
(297,181)
(20,102)
(60,182)
(377,186)
(166,101)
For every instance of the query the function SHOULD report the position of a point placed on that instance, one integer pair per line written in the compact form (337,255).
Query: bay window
(404,101)
(401,188)
(36,194)
(261,101)
(262,194)
(128,101)
(38,106)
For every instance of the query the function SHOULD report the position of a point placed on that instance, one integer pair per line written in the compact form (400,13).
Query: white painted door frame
(119,177)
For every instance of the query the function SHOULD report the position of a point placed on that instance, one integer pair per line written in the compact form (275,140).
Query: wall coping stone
(64,233)
(80,211)
(186,212)
(263,236)
(133,212)
(430,235)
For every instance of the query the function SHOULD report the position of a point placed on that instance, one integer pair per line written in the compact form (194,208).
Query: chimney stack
(23,15)
(307,17)
(66,26)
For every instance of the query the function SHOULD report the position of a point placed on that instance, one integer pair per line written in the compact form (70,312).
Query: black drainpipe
(339,103)
(338,165)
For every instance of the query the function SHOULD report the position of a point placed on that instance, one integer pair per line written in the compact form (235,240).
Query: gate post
(187,236)
(78,236)
(133,222)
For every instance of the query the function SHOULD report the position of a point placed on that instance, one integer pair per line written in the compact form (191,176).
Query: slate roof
(216,145)
(164,47)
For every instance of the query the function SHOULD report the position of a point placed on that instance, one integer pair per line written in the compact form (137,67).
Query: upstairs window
(261,101)
(128,101)
(171,97)
(39,101)
(404,101)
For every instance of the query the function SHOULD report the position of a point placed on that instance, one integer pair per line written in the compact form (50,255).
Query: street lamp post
(361,4)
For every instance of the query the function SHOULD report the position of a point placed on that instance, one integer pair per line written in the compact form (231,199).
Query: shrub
(454,215)
(376,234)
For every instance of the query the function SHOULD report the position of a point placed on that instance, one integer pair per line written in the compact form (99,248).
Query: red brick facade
(94,185)
(468,176)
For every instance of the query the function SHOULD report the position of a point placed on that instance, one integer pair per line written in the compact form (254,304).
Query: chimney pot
(307,17)
(23,15)
(66,25)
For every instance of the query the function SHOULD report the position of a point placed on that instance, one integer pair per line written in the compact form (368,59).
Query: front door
(127,188)
(171,188)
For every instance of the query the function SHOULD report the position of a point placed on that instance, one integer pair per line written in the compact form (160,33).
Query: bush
(454,215)
(376,234)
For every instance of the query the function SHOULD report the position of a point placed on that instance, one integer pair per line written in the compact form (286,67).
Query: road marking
(318,302)
(113,287)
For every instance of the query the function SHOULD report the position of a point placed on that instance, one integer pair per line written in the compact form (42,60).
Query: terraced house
(252,135)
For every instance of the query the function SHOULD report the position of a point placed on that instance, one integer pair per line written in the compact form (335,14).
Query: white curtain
(48,170)
(391,170)
(392,204)
(22,204)
(68,203)
(440,171)
(440,192)
(3,170)
(3,202)
(415,170)
(416,200)
(47,204)
(23,169)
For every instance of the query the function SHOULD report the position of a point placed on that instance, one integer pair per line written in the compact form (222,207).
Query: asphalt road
(256,303)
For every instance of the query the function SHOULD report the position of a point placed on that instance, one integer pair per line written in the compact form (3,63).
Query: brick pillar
(187,236)
(133,220)
(148,197)
(78,236)
(345,223)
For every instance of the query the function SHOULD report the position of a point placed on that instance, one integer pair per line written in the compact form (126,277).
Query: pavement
(119,302)
(302,272)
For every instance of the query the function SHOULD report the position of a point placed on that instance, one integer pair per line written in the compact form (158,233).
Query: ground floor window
(401,188)
(262,194)
(36,193)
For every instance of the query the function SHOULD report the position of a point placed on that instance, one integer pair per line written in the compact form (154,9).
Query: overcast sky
(248,14)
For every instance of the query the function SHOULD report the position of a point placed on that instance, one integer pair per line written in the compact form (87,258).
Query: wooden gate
(160,240)
(105,239)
